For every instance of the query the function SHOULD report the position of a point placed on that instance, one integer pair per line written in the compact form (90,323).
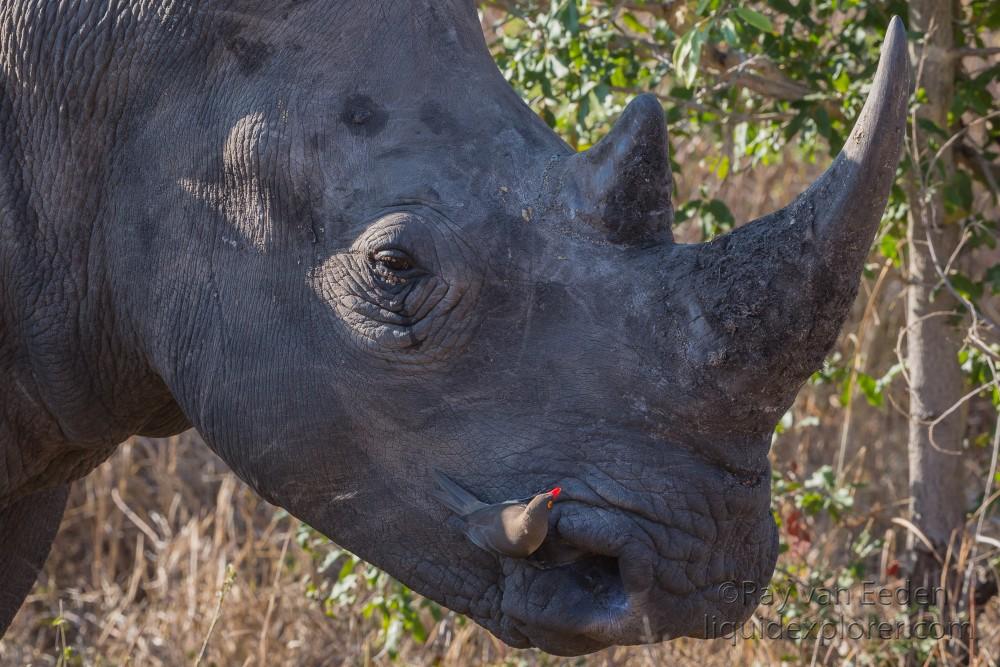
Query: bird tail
(454,497)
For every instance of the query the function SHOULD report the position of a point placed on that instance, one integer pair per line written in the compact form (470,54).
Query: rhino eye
(393,260)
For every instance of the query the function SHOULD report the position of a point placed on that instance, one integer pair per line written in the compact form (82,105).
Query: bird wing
(454,497)
(496,528)
(480,536)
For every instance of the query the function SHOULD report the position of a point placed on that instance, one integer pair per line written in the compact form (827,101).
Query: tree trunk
(936,488)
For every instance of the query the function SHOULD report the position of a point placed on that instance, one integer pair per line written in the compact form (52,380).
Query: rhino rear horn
(621,186)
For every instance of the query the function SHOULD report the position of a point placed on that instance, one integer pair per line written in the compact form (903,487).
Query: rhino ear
(621,186)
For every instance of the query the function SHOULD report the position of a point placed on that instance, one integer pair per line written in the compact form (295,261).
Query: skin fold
(329,236)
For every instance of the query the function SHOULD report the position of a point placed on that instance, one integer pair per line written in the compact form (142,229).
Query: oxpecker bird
(514,528)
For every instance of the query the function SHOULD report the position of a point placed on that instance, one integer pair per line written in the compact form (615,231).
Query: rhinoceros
(329,236)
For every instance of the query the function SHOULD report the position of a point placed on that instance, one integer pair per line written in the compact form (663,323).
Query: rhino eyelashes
(394,268)
(394,261)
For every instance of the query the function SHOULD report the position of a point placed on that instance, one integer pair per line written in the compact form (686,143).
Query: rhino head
(349,255)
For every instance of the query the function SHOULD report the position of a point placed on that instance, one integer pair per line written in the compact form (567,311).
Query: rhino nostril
(604,578)
(601,576)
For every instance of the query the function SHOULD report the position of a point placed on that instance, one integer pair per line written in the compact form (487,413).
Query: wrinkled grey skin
(192,196)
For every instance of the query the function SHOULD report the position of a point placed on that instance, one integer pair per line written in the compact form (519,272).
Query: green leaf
(958,193)
(514,27)
(559,70)
(889,247)
(740,139)
(619,78)
(811,503)
(571,17)
(756,19)
(721,214)
(822,119)
(687,55)
(633,23)
(728,29)
(722,168)
(846,391)
(842,82)
(871,389)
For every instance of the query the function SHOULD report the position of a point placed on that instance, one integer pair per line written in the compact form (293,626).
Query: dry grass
(140,558)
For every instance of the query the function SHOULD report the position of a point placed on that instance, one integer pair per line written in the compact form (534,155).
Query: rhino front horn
(773,294)
(621,186)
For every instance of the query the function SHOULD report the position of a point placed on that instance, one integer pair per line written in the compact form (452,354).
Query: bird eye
(393,260)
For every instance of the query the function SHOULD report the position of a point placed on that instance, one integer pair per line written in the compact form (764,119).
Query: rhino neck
(72,385)
(74,382)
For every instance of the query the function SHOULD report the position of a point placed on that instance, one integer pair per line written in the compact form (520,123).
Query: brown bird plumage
(514,528)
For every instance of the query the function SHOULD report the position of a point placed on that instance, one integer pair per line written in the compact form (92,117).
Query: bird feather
(454,497)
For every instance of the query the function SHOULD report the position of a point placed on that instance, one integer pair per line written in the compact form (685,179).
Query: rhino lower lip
(586,601)
(590,589)
(599,606)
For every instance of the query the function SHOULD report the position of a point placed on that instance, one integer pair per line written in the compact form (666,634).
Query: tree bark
(933,342)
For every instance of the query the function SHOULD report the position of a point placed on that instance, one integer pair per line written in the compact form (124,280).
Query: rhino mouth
(600,580)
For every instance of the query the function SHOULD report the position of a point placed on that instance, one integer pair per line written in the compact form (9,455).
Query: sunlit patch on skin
(239,193)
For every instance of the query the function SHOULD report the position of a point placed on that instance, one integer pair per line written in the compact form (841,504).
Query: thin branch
(903,332)
(973,52)
(919,534)
(658,8)
(116,498)
(944,415)
(226,585)
(969,306)
(955,137)
(757,73)
(972,158)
